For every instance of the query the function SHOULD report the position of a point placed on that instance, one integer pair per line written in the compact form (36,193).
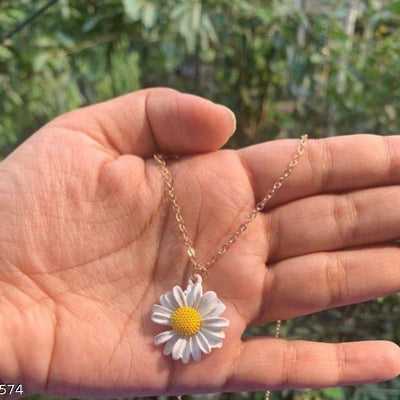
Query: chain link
(203,268)
(276,334)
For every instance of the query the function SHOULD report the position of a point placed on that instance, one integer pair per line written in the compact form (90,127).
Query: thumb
(154,120)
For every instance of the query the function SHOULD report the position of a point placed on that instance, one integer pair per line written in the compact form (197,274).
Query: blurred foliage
(284,67)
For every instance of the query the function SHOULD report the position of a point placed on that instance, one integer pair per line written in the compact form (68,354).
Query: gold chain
(203,268)
(276,334)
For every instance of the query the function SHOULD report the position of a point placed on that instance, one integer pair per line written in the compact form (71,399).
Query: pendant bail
(197,268)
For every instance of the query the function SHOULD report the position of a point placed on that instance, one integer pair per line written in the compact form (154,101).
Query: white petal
(213,338)
(186,352)
(216,312)
(207,333)
(194,295)
(211,327)
(202,342)
(179,296)
(188,287)
(160,319)
(168,300)
(162,310)
(179,348)
(216,322)
(163,337)
(194,348)
(208,302)
(170,344)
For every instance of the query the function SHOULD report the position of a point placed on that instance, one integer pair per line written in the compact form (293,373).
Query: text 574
(9,388)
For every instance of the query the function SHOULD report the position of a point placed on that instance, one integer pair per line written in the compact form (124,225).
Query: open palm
(89,242)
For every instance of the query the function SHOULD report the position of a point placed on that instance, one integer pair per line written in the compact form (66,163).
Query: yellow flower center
(186,321)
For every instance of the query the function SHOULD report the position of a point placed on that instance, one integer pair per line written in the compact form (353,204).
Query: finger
(333,221)
(307,284)
(277,364)
(331,164)
(152,120)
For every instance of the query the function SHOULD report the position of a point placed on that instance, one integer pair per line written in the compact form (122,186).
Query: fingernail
(233,118)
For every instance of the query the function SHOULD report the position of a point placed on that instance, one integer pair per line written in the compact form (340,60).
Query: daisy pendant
(194,319)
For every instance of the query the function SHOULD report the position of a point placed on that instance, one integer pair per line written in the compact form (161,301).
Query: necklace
(194,316)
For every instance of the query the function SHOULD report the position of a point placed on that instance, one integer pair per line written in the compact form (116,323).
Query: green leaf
(5,53)
(208,55)
(209,28)
(40,61)
(132,9)
(332,393)
(196,16)
(265,15)
(149,15)
(395,7)
(65,39)
(91,22)
(187,33)
(178,11)
(65,8)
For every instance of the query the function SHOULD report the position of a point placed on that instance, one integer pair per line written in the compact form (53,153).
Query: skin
(88,243)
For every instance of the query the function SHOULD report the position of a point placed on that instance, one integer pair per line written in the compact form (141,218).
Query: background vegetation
(284,67)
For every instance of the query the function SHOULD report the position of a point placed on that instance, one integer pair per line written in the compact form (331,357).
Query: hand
(88,243)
